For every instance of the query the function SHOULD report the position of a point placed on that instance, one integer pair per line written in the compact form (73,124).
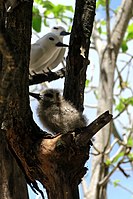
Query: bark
(105,102)
(77,59)
(12,181)
(63,157)
(47,76)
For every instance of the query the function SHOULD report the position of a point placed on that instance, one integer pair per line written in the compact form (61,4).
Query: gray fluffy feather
(59,115)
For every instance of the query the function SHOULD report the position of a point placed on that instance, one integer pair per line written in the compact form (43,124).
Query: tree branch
(47,76)
(97,40)
(77,61)
(106,178)
(89,131)
(122,18)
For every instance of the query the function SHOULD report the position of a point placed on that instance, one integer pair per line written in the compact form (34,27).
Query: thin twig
(112,145)
(123,187)
(106,178)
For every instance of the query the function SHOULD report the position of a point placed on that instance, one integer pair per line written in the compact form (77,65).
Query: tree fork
(58,161)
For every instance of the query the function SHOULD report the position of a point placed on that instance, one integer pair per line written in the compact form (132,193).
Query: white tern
(60,32)
(57,114)
(59,54)
(43,51)
(48,51)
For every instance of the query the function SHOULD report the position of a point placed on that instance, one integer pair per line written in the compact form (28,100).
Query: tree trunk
(77,60)
(12,180)
(66,191)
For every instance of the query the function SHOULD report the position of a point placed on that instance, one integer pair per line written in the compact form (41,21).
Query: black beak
(64,33)
(35,95)
(60,44)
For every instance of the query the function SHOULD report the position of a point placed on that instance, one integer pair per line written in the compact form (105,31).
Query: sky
(93,70)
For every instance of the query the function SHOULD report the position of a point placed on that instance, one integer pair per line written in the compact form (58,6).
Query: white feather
(45,54)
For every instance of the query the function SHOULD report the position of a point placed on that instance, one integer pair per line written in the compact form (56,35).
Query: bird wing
(35,53)
(56,59)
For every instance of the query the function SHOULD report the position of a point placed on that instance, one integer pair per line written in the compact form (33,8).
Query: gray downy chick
(57,114)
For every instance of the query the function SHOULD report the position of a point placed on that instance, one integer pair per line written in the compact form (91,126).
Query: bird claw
(34,73)
(49,71)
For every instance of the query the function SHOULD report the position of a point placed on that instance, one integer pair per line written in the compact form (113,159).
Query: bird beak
(64,33)
(35,95)
(60,44)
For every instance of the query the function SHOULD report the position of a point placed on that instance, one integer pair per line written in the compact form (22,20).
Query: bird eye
(51,38)
(55,28)
(49,95)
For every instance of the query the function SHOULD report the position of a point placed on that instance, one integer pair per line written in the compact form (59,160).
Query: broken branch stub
(63,157)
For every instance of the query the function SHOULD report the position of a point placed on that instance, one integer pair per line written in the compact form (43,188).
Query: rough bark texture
(107,64)
(77,59)
(12,180)
(47,76)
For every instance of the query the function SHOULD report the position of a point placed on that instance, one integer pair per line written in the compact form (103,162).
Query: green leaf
(69,8)
(108,162)
(123,103)
(130,155)
(87,83)
(116,182)
(124,84)
(45,22)
(130,142)
(120,107)
(130,28)
(131,101)
(99,29)
(36,20)
(36,23)
(96,94)
(103,22)
(39,1)
(35,10)
(47,12)
(129,36)
(58,10)
(48,5)
(130,32)
(121,154)
(100,3)
(124,46)
(45,4)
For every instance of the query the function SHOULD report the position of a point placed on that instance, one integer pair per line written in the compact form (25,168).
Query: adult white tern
(48,51)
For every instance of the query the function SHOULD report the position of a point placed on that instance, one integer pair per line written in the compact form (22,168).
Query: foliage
(123,103)
(44,11)
(116,182)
